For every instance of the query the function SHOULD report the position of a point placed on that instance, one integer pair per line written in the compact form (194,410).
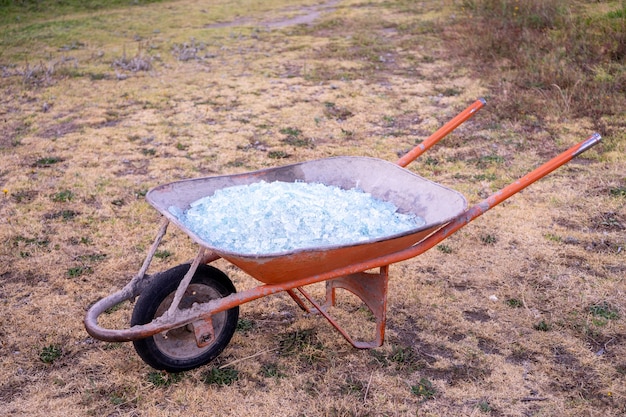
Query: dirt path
(300,15)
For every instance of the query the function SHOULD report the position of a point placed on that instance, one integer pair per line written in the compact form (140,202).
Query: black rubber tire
(178,351)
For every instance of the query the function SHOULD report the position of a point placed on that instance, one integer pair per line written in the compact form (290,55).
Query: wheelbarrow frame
(358,278)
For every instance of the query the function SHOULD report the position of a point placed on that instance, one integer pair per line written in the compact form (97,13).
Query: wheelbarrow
(184,317)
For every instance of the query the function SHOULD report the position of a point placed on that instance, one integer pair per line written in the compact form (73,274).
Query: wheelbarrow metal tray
(386,181)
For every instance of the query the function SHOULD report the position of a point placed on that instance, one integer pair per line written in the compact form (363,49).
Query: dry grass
(519,314)
(568,54)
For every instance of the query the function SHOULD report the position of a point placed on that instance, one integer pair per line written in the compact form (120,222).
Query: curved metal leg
(370,287)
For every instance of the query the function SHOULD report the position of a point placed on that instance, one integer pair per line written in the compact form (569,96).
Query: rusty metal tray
(383,180)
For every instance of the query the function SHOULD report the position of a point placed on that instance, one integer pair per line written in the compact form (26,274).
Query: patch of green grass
(290,131)
(221,377)
(117,398)
(552,237)
(163,254)
(32,28)
(604,310)
(294,138)
(244,325)
(68,214)
(78,271)
(618,14)
(484,406)
(369,46)
(339,113)
(405,358)
(62,214)
(236,163)
(542,326)
(118,202)
(430,161)
(164,379)
(305,344)
(97,76)
(450,91)
(62,196)
(366,45)
(24,196)
(444,248)
(39,242)
(278,155)
(347,133)
(424,389)
(389,120)
(294,342)
(379,357)
(9,7)
(514,303)
(50,353)
(487,160)
(610,221)
(47,161)
(322,72)
(93,257)
(485,177)
(353,386)
(272,370)
(617,191)
(299,142)
(488,239)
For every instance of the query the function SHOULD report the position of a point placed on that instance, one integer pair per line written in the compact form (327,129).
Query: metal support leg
(371,288)
(182,287)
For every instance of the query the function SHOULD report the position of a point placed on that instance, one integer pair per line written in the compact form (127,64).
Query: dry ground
(521,313)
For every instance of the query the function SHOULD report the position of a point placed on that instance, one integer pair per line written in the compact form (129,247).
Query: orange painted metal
(370,287)
(441,132)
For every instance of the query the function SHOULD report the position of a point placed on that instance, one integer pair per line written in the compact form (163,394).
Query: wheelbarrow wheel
(176,350)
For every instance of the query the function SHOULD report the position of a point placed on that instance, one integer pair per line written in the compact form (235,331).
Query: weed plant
(50,353)
(221,376)
(424,389)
